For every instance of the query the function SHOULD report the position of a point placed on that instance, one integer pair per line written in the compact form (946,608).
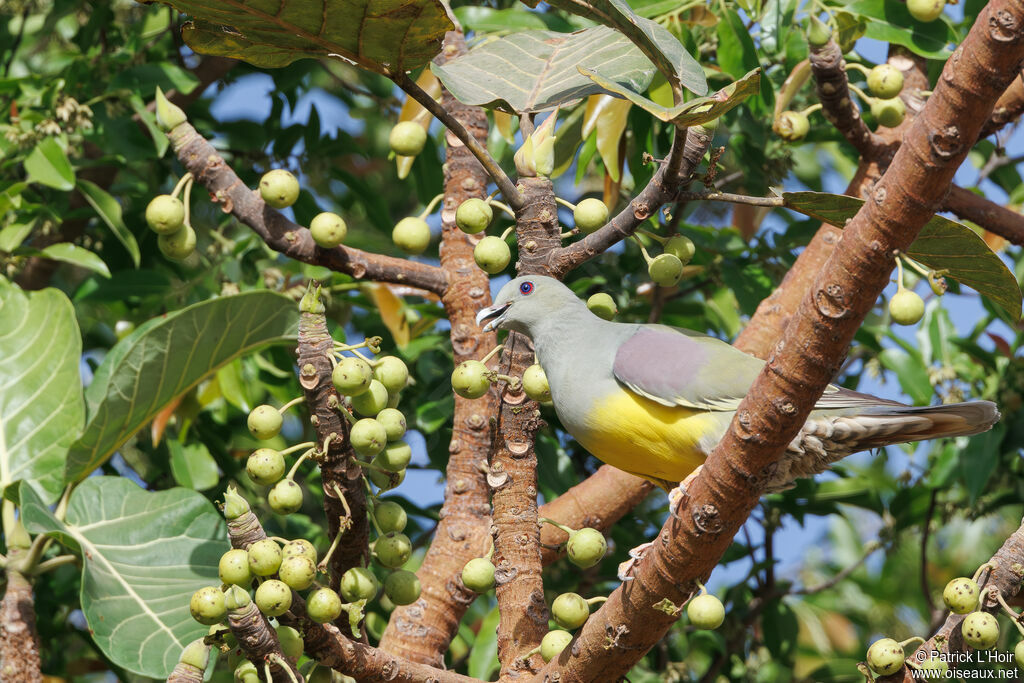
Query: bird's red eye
(526,288)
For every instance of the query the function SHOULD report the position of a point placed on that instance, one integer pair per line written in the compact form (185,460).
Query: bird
(655,400)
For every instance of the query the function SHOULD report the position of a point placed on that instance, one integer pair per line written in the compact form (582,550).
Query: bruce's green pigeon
(655,400)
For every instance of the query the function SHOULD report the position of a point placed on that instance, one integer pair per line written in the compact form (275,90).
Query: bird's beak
(493,314)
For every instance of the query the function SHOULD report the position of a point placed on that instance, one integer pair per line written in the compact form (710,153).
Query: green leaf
(166,357)
(849,29)
(77,256)
(41,405)
(979,459)
(47,164)
(738,56)
(911,372)
(483,658)
(660,46)
(488,20)
(14,234)
(144,554)
(160,139)
(534,71)
(192,465)
(386,36)
(694,112)
(942,244)
(110,211)
(891,22)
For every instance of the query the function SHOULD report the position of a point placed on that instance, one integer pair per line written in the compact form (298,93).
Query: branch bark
(421,632)
(293,240)
(19,640)
(728,487)
(1008,109)
(519,586)
(688,148)
(993,217)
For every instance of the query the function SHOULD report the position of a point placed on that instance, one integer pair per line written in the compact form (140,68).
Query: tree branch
(211,170)
(688,148)
(519,585)
(1008,109)
(993,217)
(728,487)
(837,106)
(512,195)
(19,638)
(421,632)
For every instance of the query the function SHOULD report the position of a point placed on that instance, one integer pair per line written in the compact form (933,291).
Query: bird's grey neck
(568,328)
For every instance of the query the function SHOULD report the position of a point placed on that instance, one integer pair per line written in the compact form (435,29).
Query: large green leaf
(533,71)
(48,165)
(41,406)
(655,40)
(386,36)
(166,357)
(738,55)
(941,245)
(144,554)
(891,22)
(691,113)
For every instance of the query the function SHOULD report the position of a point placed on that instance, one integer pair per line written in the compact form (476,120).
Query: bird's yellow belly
(647,438)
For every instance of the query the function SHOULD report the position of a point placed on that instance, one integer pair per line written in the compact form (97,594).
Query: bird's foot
(635,555)
(679,493)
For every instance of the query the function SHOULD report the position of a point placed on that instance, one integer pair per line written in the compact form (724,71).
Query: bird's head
(524,302)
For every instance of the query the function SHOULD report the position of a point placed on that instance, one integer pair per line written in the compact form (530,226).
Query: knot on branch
(1003,27)
(945,143)
(707,519)
(831,302)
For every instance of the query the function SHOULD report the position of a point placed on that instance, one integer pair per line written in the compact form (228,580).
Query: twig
(504,183)
(730,197)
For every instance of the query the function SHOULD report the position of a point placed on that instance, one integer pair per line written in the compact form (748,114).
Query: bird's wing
(682,368)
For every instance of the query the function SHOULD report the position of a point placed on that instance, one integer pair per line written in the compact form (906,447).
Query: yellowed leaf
(503,122)
(611,124)
(156,429)
(391,309)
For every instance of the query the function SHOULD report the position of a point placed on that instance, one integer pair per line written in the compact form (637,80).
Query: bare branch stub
(721,497)
(422,631)
(210,169)
(258,639)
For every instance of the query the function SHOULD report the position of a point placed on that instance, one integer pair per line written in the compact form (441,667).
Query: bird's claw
(635,554)
(679,493)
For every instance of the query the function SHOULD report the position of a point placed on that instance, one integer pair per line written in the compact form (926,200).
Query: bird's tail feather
(891,425)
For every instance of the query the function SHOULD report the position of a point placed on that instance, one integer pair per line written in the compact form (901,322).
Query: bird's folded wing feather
(682,368)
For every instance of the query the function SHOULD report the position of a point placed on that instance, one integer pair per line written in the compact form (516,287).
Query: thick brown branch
(19,640)
(1008,109)
(721,497)
(258,639)
(688,149)
(993,217)
(293,240)
(421,632)
(520,589)
(337,469)
(837,106)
